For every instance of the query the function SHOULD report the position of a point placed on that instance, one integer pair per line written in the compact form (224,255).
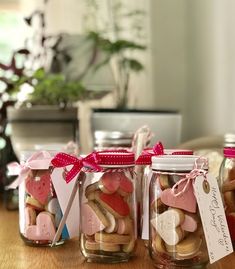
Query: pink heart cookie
(186,200)
(126,186)
(91,223)
(109,182)
(40,188)
(190,223)
(44,228)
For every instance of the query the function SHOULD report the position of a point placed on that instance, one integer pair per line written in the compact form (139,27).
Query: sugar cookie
(125,226)
(30,216)
(114,203)
(189,246)
(109,182)
(112,238)
(190,222)
(32,202)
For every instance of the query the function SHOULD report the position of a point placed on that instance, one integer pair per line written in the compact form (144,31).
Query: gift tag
(213,217)
(64,191)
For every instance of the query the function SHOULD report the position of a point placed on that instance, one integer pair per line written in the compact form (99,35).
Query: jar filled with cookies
(176,238)
(108,209)
(227,184)
(39,208)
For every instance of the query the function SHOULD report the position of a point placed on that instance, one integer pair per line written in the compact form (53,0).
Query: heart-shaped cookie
(114,203)
(190,223)
(39,188)
(185,200)
(44,228)
(109,182)
(91,223)
(126,186)
(168,224)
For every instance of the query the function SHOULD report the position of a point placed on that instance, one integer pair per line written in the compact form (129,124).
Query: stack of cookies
(176,230)
(107,218)
(42,213)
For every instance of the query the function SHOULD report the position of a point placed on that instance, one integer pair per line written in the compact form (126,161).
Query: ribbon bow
(191,176)
(146,155)
(38,161)
(63,160)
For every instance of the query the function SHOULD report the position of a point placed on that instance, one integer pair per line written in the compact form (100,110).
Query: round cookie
(102,237)
(189,246)
(110,247)
(90,189)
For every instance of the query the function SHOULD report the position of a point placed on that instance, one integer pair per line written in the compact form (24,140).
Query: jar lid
(116,158)
(178,151)
(229,140)
(112,135)
(177,162)
(229,152)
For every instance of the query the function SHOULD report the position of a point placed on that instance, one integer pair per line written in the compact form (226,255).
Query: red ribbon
(63,160)
(146,155)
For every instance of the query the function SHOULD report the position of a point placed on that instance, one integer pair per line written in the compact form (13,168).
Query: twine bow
(191,176)
(63,160)
(38,161)
(146,155)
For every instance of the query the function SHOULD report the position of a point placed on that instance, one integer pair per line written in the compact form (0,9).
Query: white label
(64,191)
(213,217)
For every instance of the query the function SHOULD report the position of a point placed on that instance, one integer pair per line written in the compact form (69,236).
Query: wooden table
(15,255)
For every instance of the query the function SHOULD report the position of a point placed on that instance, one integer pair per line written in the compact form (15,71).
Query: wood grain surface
(14,254)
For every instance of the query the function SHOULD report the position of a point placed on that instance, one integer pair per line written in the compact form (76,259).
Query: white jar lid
(177,162)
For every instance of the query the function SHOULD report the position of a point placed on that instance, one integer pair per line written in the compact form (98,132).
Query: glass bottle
(39,209)
(108,209)
(227,186)
(176,238)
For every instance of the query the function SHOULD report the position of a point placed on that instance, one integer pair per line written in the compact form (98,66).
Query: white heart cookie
(167,226)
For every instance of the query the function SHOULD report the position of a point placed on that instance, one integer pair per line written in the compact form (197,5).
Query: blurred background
(173,59)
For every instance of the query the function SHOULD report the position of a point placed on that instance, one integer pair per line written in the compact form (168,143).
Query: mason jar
(39,208)
(227,185)
(176,238)
(108,209)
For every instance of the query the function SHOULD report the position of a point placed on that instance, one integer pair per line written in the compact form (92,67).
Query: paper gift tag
(63,191)
(213,217)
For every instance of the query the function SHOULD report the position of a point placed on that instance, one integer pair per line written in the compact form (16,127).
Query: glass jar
(39,209)
(104,140)
(227,185)
(176,238)
(108,209)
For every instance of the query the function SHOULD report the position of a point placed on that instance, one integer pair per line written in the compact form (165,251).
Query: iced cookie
(39,187)
(189,246)
(92,218)
(44,228)
(30,201)
(125,226)
(185,200)
(168,227)
(109,182)
(102,237)
(114,203)
(190,222)
(126,186)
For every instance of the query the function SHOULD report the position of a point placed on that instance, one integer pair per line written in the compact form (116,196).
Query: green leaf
(132,64)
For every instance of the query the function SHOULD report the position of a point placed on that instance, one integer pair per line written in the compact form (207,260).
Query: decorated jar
(39,208)
(144,161)
(227,184)
(176,237)
(108,208)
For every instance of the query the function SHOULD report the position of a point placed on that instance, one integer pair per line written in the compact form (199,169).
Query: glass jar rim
(178,162)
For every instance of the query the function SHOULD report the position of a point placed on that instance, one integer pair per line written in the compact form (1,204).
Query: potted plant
(122,39)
